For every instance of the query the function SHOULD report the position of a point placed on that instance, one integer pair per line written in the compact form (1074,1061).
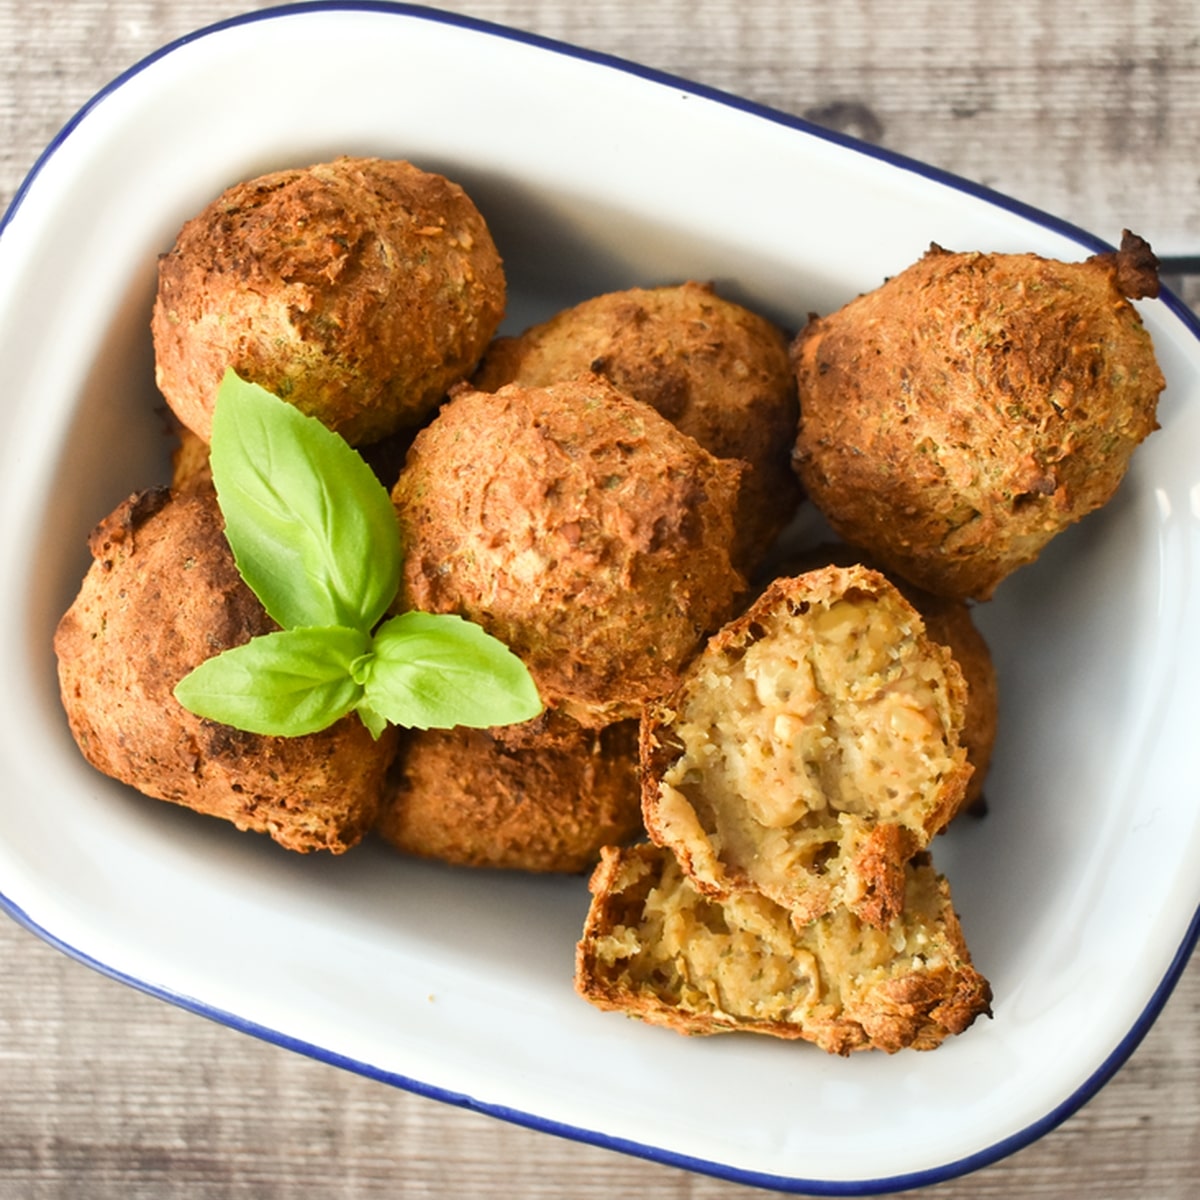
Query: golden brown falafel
(656,948)
(579,527)
(161,596)
(810,750)
(715,369)
(956,418)
(359,290)
(462,797)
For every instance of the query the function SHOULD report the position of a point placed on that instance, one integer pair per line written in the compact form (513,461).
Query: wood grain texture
(1092,112)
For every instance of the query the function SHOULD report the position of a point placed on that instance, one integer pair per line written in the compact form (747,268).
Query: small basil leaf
(375,722)
(313,531)
(435,671)
(284,684)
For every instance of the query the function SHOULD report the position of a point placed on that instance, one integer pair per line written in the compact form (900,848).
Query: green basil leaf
(313,531)
(435,671)
(285,684)
(375,722)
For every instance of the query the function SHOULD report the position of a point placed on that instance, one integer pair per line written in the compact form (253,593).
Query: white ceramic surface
(1078,892)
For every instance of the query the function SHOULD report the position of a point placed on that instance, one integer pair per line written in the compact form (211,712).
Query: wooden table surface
(1091,111)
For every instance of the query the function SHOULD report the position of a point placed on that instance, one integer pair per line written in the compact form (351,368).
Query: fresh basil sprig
(314,536)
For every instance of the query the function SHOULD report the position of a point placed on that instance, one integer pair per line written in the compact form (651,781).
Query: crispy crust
(161,596)
(578,526)
(716,370)
(359,290)
(959,416)
(655,948)
(810,750)
(462,797)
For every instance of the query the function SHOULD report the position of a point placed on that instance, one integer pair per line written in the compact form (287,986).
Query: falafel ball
(461,797)
(579,527)
(359,290)
(811,750)
(656,948)
(161,596)
(958,417)
(715,369)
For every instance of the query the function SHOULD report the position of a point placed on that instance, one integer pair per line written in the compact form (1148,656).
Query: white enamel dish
(1078,892)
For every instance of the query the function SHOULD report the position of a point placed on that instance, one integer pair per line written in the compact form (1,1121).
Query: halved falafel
(811,749)
(656,948)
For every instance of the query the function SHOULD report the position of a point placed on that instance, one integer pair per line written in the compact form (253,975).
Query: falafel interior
(949,621)
(657,948)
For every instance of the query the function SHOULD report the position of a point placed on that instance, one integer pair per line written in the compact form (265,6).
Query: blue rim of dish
(866,1187)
